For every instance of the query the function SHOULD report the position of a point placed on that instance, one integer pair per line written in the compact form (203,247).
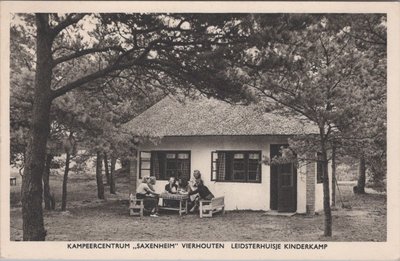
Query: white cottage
(226,143)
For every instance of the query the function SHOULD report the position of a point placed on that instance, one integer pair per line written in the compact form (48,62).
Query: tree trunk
(32,190)
(325,185)
(125,164)
(112,170)
(106,169)
(99,177)
(65,182)
(360,189)
(48,198)
(333,176)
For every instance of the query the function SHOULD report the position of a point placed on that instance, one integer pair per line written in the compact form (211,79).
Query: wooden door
(287,184)
(283,183)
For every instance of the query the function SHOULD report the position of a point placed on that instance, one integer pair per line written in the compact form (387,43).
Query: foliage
(318,69)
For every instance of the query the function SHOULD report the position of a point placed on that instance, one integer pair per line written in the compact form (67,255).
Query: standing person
(146,192)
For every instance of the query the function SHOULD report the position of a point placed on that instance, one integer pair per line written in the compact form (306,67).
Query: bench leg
(136,209)
(186,207)
(180,207)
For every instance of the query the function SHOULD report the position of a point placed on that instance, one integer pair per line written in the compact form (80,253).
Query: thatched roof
(203,117)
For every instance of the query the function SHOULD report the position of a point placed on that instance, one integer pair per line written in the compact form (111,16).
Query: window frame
(246,153)
(140,162)
(176,152)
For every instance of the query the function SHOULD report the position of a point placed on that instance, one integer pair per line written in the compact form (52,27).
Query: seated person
(146,192)
(196,175)
(197,178)
(183,186)
(171,187)
(203,193)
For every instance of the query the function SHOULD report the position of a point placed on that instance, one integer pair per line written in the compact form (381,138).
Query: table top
(177,196)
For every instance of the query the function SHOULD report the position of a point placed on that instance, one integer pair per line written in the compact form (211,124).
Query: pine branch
(83,52)
(69,20)
(117,65)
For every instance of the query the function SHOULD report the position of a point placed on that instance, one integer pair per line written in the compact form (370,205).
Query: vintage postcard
(200,130)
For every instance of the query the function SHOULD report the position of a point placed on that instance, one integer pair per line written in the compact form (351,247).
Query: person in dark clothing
(183,186)
(203,193)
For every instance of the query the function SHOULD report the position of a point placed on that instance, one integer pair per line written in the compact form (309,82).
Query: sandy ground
(89,219)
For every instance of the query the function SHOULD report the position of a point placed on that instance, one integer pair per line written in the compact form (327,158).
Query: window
(145,162)
(236,166)
(319,168)
(165,164)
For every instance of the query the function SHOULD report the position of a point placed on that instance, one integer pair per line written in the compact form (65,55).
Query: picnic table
(169,198)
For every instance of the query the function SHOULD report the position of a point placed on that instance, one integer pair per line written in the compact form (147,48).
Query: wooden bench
(209,207)
(13,181)
(136,207)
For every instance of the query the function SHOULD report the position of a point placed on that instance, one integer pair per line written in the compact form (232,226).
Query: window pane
(215,155)
(238,156)
(238,165)
(145,155)
(170,155)
(183,156)
(254,156)
(220,166)
(214,166)
(145,165)
(253,166)
(171,164)
(253,175)
(239,175)
(145,172)
(170,173)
